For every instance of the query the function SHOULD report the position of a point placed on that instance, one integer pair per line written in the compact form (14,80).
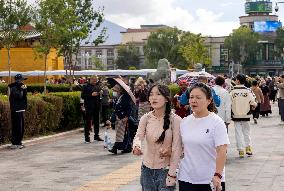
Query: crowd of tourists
(187,131)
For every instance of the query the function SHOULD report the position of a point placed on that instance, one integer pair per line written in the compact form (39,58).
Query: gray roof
(113,31)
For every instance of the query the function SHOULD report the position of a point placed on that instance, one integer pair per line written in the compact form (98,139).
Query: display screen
(258,7)
(266,26)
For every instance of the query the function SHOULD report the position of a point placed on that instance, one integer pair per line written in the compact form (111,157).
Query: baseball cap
(19,77)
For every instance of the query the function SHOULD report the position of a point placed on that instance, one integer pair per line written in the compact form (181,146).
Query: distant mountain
(113,33)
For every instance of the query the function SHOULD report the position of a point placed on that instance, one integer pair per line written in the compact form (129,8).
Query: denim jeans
(154,179)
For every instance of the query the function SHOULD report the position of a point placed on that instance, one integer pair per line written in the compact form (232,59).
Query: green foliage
(3,89)
(132,68)
(279,42)
(174,88)
(14,15)
(165,43)
(128,56)
(71,21)
(39,88)
(243,45)
(97,63)
(194,50)
(71,110)
(45,114)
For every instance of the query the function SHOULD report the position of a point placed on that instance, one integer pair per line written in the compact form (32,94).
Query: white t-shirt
(200,137)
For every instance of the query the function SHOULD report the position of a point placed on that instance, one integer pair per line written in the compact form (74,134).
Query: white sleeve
(228,106)
(220,134)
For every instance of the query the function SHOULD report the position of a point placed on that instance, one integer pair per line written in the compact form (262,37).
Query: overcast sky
(209,17)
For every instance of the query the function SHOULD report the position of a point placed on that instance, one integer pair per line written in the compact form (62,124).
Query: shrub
(174,88)
(71,110)
(3,89)
(4,119)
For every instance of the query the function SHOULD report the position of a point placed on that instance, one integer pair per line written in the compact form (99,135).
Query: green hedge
(71,110)
(38,88)
(45,114)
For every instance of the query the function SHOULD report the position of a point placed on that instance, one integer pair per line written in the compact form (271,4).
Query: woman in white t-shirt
(205,140)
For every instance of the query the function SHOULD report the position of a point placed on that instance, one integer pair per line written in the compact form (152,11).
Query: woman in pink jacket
(161,155)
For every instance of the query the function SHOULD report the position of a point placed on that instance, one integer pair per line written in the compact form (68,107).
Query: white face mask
(114,94)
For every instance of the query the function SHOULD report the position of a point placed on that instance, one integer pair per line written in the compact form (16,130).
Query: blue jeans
(154,179)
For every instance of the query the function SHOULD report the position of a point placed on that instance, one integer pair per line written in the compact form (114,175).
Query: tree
(73,21)
(242,45)
(128,56)
(97,63)
(49,37)
(165,43)
(14,15)
(194,50)
(279,43)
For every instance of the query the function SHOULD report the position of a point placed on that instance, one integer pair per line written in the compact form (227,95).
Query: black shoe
(97,138)
(126,151)
(113,150)
(87,140)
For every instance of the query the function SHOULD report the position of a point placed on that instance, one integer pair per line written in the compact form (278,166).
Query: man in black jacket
(92,103)
(18,104)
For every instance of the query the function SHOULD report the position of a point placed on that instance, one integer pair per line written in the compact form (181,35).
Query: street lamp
(86,57)
(276,8)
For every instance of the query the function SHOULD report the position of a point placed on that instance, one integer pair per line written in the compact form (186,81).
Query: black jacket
(17,97)
(91,102)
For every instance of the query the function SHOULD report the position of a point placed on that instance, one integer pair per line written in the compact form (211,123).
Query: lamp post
(276,8)
(86,57)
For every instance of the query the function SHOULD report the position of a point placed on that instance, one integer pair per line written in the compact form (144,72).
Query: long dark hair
(165,91)
(207,91)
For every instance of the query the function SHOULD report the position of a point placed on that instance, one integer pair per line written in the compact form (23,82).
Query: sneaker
(20,146)
(241,154)
(87,142)
(13,147)
(97,138)
(255,121)
(248,151)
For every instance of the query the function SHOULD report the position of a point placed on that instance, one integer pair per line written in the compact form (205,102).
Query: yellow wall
(25,59)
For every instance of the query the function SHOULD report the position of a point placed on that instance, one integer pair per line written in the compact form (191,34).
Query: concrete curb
(34,141)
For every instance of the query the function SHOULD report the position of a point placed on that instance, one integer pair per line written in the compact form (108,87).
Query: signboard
(266,26)
(258,7)
(220,69)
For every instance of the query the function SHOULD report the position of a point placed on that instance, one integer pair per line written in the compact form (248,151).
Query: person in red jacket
(181,100)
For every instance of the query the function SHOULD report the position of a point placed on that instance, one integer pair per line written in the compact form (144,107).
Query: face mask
(114,94)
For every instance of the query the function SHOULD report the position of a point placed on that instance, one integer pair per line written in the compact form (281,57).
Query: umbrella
(196,74)
(192,77)
(114,81)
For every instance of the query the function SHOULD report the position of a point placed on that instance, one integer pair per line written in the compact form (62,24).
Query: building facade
(24,58)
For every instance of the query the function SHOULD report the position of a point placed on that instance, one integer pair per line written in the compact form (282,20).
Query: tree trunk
(45,68)
(9,65)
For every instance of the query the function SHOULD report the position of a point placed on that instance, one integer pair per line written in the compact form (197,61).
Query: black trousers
(281,108)
(255,113)
(105,113)
(186,186)
(17,127)
(92,118)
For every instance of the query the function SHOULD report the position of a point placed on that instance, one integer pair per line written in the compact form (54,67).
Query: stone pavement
(65,163)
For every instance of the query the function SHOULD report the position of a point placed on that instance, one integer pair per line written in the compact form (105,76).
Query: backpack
(183,98)
(216,98)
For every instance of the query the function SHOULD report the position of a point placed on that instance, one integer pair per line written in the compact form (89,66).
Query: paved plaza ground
(65,163)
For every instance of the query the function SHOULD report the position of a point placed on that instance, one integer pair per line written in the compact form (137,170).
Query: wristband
(172,176)
(218,175)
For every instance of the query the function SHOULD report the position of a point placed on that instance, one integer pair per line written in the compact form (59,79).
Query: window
(99,53)
(223,54)
(109,53)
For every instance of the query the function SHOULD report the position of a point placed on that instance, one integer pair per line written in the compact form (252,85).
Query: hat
(183,82)
(114,81)
(19,77)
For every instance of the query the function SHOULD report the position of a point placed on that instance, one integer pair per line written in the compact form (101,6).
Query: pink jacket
(151,127)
